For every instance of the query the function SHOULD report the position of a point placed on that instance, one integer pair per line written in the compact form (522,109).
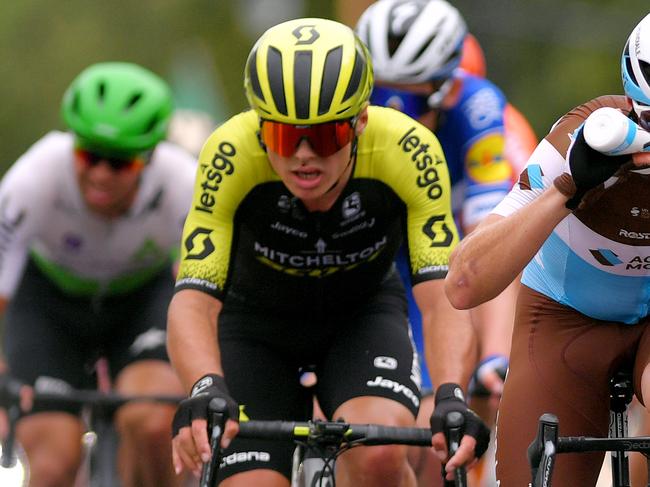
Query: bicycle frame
(552,444)
(548,443)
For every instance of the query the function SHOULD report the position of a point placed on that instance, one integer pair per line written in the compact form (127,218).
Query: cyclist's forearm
(449,339)
(192,336)
(489,259)
(493,321)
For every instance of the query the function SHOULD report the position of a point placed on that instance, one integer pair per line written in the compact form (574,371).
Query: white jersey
(42,213)
(596,260)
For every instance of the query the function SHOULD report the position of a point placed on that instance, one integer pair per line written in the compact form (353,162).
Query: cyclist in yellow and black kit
(299,208)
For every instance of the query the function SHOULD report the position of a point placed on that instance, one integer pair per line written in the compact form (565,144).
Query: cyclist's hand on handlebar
(476,435)
(489,375)
(190,444)
(12,392)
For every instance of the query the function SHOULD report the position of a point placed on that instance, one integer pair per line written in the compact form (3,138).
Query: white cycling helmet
(635,67)
(412,41)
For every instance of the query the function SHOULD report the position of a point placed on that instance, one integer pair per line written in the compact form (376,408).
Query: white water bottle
(610,132)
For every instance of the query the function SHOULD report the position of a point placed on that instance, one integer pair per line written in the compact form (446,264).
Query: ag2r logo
(198,244)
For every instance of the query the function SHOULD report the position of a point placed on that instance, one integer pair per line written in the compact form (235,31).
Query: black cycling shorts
(366,351)
(51,337)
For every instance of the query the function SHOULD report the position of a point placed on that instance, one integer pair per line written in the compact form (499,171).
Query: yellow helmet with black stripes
(308,71)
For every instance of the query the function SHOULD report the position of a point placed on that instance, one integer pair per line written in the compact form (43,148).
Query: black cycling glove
(589,168)
(9,391)
(449,398)
(208,387)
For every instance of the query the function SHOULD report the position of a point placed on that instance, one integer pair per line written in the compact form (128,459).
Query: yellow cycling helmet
(308,71)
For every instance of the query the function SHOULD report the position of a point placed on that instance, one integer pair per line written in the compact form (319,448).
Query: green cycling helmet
(117,108)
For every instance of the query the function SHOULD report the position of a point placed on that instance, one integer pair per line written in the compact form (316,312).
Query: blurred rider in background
(91,223)
(419,49)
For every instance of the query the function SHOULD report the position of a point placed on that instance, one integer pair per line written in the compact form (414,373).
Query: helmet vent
(394,41)
(424,47)
(155,120)
(330,79)
(355,78)
(133,101)
(75,102)
(628,64)
(274,69)
(101,91)
(254,77)
(645,69)
(302,82)
(449,62)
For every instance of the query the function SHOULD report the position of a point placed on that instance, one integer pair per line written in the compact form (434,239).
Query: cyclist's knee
(49,469)
(377,462)
(267,478)
(53,447)
(147,425)
(148,377)
(378,465)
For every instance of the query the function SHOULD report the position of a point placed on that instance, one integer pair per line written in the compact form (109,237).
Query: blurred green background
(547,56)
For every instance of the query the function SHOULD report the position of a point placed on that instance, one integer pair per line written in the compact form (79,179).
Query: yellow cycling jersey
(248,236)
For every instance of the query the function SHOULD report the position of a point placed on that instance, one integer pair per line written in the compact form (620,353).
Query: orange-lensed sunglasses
(117,164)
(324,138)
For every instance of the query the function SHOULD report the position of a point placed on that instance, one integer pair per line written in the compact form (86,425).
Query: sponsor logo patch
(486,162)
(531,177)
(425,163)
(396,387)
(213,174)
(198,244)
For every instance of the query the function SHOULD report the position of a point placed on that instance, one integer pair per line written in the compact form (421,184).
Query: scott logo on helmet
(305,37)
(424,162)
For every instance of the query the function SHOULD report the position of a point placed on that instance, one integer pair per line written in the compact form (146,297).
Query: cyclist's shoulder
(172,154)
(471,88)
(231,164)
(578,114)
(474,106)
(389,129)
(51,146)
(45,160)
(240,131)
(391,137)
(560,134)
(517,122)
(172,165)
(399,151)
(234,149)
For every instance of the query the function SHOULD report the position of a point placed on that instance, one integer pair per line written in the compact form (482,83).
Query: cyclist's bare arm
(493,322)
(450,348)
(192,335)
(194,352)
(449,338)
(489,259)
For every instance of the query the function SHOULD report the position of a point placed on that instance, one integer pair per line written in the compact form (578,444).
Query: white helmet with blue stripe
(635,66)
